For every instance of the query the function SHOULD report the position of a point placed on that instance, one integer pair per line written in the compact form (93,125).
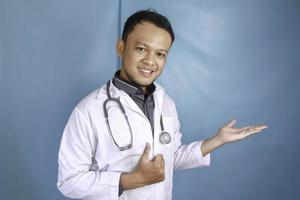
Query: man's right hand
(147,171)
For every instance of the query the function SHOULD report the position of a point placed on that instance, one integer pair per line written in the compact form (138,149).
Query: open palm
(229,133)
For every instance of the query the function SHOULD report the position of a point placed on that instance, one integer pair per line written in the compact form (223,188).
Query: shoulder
(168,103)
(160,89)
(92,101)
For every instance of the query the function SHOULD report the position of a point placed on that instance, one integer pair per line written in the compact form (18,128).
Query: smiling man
(123,141)
(144,56)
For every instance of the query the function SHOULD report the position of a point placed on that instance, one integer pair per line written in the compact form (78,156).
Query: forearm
(210,145)
(89,184)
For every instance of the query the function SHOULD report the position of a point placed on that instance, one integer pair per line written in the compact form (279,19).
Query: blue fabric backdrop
(231,59)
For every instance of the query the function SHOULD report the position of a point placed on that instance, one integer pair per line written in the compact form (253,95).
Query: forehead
(151,35)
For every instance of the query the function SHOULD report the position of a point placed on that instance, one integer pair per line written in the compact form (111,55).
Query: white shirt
(90,164)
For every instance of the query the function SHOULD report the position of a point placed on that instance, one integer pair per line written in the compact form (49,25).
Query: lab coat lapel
(128,103)
(158,98)
(125,99)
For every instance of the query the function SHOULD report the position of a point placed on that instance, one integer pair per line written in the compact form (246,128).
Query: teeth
(146,71)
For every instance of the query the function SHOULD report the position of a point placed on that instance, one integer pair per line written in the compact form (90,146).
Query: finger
(158,158)
(246,128)
(231,123)
(260,128)
(251,131)
(254,127)
(163,162)
(159,161)
(146,151)
(247,131)
(263,126)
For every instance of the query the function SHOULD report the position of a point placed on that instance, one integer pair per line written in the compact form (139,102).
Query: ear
(120,47)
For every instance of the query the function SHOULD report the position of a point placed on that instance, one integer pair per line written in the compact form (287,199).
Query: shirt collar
(130,87)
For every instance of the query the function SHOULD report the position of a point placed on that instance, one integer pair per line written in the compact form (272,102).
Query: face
(144,54)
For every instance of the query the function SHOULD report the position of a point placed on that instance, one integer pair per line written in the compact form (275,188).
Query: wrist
(211,144)
(217,140)
(131,180)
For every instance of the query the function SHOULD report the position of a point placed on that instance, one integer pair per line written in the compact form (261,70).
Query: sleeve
(76,176)
(189,155)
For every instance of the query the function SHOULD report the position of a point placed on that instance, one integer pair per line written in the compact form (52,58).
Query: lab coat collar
(128,102)
(130,87)
(116,93)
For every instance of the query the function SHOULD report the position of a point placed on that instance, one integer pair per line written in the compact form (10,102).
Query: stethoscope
(164,136)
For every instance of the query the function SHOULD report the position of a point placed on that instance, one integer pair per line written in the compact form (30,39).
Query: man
(102,156)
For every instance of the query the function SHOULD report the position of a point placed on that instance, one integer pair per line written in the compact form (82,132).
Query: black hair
(148,15)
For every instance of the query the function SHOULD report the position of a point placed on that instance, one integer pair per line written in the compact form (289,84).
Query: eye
(140,49)
(161,55)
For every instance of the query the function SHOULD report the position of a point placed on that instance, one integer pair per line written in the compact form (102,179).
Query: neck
(124,76)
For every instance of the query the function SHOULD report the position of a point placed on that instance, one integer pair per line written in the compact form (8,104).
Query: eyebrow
(142,43)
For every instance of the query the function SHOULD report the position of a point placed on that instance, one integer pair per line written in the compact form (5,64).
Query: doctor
(107,155)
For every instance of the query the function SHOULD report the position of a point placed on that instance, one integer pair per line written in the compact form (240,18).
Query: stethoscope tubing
(164,137)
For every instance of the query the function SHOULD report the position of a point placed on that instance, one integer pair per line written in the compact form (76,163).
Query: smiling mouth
(146,72)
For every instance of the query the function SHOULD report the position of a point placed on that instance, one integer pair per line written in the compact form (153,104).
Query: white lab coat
(90,164)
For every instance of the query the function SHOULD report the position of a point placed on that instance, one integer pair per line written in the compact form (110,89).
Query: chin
(142,81)
(146,84)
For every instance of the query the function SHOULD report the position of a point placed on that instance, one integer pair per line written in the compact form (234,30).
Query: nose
(149,59)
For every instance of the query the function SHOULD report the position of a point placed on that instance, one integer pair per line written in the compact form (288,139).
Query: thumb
(231,123)
(146,151)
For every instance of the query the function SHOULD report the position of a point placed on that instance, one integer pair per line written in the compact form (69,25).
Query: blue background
(231,59)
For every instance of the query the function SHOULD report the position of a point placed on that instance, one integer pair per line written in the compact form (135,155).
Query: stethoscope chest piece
(164,137)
